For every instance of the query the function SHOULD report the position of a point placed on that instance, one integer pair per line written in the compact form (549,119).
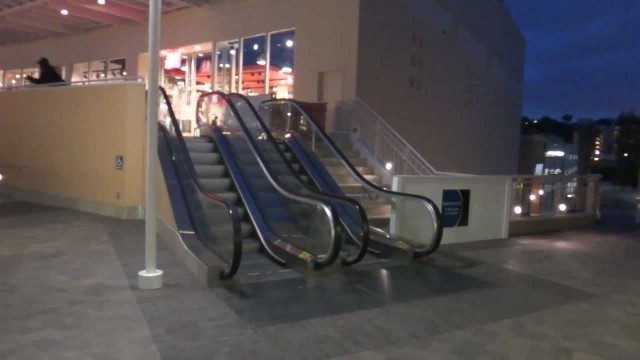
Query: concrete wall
(465,60)
(58,146)
(489,206)
(326,38)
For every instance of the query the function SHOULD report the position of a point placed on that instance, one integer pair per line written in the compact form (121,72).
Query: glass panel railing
(215,221)
(299,223)
(420,233)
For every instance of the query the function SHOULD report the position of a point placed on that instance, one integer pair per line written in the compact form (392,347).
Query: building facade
(446,74)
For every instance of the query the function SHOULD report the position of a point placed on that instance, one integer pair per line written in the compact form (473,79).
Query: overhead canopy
(27,20)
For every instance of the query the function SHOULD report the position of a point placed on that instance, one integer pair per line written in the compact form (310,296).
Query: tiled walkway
(68,292)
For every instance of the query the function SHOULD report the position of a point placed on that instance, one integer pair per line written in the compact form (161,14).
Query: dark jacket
(48,75)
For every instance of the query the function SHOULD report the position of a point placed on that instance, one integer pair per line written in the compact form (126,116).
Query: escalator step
(209,171)
(216,185)
(230,196)
(197,139)
(205,158)
(200,147)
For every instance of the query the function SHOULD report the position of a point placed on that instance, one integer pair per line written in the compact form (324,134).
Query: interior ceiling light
(198,47)
(287,69)
(262,61)
(289,43)
(64,12)
(102,2)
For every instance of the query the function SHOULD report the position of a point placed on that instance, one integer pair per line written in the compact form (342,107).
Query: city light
(626,155)
(517,210)
(388,166)
(562,207)
(532,197)
(554,153)
(597,152)
(596,159)
(540,192)
(64,12)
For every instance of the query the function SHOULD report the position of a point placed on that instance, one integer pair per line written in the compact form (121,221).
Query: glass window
(227,66)
(203,72)
(98,69)
(281,63)
(80,72)
(117,68)
(254,65)
(13,78)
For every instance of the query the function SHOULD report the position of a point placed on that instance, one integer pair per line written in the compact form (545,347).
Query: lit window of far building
(281,63)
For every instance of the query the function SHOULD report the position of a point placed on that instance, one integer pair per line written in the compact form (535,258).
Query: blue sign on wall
(455,208)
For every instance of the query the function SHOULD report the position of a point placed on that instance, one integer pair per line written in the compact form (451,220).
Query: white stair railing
(382,143)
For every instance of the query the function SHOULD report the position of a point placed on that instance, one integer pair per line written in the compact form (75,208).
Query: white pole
(151,276)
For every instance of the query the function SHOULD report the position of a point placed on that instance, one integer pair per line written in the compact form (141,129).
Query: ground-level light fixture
(562,207)
(388,166)
(517,209)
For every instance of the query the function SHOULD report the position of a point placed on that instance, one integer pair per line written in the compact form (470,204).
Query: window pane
(227,66)
(117,68)
(254,65)
(203,72)
(281,64)
(80,72)
(13,78)
(98,70)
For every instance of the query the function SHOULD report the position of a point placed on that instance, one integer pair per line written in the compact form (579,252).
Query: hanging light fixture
(262,61)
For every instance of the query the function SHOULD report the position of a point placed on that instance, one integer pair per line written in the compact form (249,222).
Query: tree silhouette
(567,118)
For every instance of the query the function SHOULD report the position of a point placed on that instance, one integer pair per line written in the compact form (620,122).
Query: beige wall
(465,116)
(63,142)
(326,37)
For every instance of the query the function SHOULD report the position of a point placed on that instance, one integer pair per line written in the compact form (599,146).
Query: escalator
(397,221)
(235,203)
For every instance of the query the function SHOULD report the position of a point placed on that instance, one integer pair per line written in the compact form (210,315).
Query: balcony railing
(555,195)
(127,79)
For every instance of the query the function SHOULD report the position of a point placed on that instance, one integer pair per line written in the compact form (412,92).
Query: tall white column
(151,276)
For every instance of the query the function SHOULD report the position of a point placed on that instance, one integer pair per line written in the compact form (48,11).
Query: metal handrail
(383,130)
(310,199)
(234,264)
(364,242)
(127,79)
(429,204)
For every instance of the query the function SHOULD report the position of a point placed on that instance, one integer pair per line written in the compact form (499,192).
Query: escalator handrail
(234,262)
(364,242)
(429,204)
(311,199)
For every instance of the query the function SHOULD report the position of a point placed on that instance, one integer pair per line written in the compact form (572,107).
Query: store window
(227,66)
(265,65)
(117,68)
(80,72)
(13,78)
(254,65)
(281,63)
(98,69)
(186,74)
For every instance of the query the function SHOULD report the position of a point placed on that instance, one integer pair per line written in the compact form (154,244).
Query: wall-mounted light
(517,209)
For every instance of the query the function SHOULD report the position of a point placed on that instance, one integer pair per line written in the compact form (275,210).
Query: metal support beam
(151,276)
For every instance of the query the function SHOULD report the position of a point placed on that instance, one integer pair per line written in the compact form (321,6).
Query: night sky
(583,56)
